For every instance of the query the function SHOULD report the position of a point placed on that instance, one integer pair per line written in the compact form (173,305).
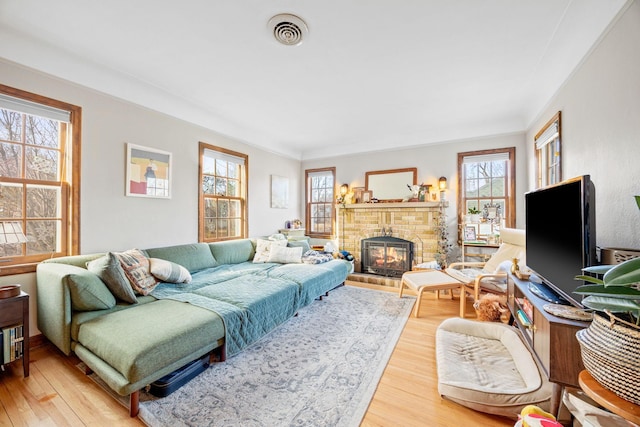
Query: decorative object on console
(514,266)
(568,312)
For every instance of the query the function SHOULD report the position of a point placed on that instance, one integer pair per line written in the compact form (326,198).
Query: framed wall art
(148,172)
(279,192)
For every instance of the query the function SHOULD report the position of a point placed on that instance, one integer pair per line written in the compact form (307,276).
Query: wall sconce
(442,183)
(344,189)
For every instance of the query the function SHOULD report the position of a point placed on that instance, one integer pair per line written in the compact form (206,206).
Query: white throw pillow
(169,272)
(263,248)
(285,255)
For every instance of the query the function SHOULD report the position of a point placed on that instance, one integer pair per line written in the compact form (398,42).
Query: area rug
(320,368)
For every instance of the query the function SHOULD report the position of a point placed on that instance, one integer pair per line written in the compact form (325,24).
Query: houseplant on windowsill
(610,344)
(474,215)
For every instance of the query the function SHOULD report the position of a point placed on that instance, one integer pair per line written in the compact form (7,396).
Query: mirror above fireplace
(391,185)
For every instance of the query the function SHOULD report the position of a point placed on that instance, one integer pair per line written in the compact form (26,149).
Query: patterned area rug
(320,368)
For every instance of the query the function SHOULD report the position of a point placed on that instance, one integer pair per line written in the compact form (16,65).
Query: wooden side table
(609,399)
(15,311)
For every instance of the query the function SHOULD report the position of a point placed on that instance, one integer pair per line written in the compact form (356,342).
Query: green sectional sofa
(214,299)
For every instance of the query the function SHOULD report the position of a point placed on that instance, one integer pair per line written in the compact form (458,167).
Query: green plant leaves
(615,305)
(622,292)
(625,273)
(590,279)
(598,269)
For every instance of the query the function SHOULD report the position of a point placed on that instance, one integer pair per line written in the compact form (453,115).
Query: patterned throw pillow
(136,267)
(169,272)
(284,255)
(263,247)
(109,270)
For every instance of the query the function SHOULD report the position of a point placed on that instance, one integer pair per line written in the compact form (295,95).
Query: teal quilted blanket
(253,299)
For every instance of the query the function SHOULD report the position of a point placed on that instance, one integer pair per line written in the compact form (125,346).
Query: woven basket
(610,351)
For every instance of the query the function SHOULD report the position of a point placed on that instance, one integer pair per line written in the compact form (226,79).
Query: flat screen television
(561,235)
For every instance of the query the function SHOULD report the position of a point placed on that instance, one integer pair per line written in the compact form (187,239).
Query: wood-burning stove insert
(386,256)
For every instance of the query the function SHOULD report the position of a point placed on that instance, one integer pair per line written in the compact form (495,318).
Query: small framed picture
(366,196)
(357,194)
(470,233)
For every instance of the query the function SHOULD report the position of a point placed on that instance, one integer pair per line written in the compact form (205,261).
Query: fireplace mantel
(391,205)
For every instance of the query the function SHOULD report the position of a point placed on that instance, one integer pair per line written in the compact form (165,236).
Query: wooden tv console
(550,338)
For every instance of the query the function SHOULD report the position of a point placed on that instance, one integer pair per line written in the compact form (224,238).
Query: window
(320,212)
(223,194)
(39,179)
(547,147)
(486,182)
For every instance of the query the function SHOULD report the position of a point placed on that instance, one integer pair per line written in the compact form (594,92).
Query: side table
(15,311)
(609,399)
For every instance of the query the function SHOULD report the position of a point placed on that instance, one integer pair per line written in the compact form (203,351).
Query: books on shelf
(12,343)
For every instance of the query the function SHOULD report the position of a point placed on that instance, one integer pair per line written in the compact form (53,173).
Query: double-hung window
(320,206)
(487,184)
(39,179)
(548,153)
(223,194)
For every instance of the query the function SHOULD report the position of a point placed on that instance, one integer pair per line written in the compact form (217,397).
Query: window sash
(320,203)
(498,189)
(215,225)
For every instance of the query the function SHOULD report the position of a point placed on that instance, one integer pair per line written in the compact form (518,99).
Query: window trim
(70,179)
(307,196)
(510,204)
(202,146)
(540,147)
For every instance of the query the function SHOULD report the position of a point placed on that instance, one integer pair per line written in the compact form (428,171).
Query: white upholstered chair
(491,276)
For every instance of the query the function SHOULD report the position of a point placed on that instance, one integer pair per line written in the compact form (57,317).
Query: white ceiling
(372,74)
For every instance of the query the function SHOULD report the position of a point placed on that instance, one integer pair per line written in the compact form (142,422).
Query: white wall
(600,107)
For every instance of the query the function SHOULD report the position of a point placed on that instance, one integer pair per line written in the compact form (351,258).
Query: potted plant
(609,346)
(474,215)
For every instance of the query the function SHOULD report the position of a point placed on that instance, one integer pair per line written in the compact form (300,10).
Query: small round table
(609,399)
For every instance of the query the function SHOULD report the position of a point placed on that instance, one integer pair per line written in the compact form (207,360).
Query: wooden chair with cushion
(491,276)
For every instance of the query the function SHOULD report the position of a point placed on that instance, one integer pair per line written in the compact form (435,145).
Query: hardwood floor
(58,394)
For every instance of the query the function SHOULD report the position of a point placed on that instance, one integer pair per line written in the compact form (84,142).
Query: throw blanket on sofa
(252,299)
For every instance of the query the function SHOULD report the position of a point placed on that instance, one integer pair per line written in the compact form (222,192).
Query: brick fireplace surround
(413,221)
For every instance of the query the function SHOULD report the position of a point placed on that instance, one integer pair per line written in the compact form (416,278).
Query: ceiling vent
(288,29)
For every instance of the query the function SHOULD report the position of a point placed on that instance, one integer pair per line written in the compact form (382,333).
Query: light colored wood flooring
(58,394)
